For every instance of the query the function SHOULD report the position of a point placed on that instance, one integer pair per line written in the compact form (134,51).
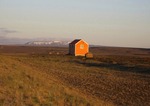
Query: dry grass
(40,79)
(24,85)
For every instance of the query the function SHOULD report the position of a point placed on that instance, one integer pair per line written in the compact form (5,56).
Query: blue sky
(103,22)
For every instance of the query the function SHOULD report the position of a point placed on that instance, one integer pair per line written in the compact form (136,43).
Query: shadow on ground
(116,66)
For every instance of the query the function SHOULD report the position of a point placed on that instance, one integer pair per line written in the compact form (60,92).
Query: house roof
(75,41)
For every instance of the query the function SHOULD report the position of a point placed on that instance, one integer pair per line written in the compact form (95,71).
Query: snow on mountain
(49,43)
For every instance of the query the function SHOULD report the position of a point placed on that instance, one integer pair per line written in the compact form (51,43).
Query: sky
(124,23)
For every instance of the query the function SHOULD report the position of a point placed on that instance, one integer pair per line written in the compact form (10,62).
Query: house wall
(81,48)
(71,49)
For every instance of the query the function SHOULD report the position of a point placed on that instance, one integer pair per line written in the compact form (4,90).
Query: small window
(81,46)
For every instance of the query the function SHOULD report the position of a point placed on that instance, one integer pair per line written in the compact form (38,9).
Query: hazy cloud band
(5,31)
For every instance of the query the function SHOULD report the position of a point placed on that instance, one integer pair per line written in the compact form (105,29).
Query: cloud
(5,31)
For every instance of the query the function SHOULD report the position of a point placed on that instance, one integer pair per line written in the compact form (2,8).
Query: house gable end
(81,48)
(82,41)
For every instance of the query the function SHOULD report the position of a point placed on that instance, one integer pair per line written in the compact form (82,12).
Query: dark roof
(75,41)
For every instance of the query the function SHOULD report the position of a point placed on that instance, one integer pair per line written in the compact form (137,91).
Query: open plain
(47,76)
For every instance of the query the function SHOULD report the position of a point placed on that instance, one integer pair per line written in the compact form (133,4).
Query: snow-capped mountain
(49,43)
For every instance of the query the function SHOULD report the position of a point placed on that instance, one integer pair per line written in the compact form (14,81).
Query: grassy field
(43,76)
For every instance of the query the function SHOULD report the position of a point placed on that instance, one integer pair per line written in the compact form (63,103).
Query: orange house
(78,47)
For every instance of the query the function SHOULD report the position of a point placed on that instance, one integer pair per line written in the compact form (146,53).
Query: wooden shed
(78,47)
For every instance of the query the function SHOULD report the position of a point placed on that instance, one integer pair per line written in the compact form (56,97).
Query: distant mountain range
(52,42)
(34,41)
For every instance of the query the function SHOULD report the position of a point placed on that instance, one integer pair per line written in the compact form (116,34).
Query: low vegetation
(34,79)
(22,85)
